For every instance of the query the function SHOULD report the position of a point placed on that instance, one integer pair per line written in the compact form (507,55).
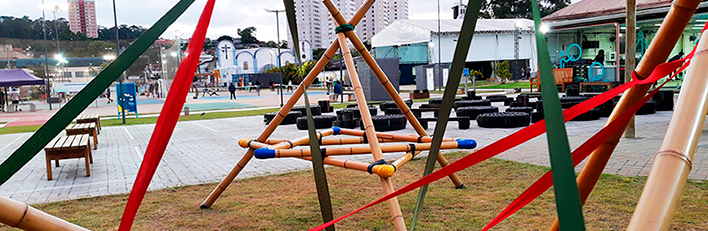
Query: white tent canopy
(403,32)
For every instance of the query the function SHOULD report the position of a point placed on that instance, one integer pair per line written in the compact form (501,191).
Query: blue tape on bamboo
(344,28)
(264,153)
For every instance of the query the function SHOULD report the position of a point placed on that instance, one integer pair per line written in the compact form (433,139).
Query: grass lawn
(497,85)
(289,202)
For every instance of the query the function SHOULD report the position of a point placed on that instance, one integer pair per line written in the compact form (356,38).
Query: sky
(228,16)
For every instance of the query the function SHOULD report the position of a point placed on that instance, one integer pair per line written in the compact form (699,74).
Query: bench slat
(50,145)
(85,139)
(67,143)
(76,143)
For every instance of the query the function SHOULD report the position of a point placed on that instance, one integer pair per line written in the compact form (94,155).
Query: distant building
(8,52)
(315,24)
(82,17)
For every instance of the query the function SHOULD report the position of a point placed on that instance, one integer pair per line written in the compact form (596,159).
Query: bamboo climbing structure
(658,52)
(672,163)
(262,147)
(22,216)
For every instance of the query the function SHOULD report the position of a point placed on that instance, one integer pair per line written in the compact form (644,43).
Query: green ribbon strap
(85,97)
(569,208)
(458,65)
(344,28)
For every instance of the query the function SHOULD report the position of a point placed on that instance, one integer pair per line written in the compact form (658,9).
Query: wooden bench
(90,118)
(562,76)
(84,128)
(463,122)
(76,146)
(609,85)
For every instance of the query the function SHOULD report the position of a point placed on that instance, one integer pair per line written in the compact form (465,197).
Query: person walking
(328,84)
(338,91)
(232,90)
(15,97)
(108,95)
(271,85)
(258,86)
(2,101)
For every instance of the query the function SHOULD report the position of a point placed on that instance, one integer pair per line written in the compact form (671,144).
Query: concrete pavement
(205,151)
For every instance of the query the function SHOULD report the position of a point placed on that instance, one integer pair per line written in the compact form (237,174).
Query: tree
(519,8)
(248,35)
(502,71)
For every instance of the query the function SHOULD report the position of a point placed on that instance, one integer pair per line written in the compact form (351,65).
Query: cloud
(228,16)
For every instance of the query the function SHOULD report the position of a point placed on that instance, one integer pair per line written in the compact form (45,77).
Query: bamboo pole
(672,164)
(20,215)
(383,170)
(281,153)
(383,79)
(386,183)
(657,53)
(319,66)
(337,141)
(391,136)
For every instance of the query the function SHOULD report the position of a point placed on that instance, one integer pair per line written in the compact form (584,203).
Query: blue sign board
(466,72)
(127,99)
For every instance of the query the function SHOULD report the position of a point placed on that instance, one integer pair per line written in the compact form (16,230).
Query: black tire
(430,106)
(538,105)
(345,124)
(517,104)
(503,120)
(647,108)
(385,105)
(472,94)
(497,96)
(321,121)
(291,118)
(577,99)
(473,112)
(437,101)
(664,100)
(571,91)
(463,124)
(520,109)
(471,103)
(393,111)
(536,116)
(593,114)
(409,103)
(315,109)
(472,98)
(566,105)
(606,108)
(387,122)
(350,114)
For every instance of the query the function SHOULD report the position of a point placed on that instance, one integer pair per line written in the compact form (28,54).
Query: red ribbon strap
(168,118)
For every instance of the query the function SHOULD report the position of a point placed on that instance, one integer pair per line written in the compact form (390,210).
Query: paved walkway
(205,151)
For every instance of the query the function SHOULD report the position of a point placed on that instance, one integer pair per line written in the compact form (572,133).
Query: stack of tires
(648,108)
(471,95)
(324,105)
(384,123)
(503,120)
(291,118)
(315,109)
(321,121)
(500,98)
(471,103)
(664,100)
(349,117)
(570,101)
(474,111)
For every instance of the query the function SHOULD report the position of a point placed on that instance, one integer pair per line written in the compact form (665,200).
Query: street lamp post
(56,9)
(277,26)
(48,91)
(119,92)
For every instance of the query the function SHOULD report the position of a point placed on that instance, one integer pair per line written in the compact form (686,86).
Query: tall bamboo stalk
(672,163)
(386,183)
(20,215)
(657,53)
(383,79)
(319,66)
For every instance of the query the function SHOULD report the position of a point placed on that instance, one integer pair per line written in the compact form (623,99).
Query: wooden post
(672,164)
(383,79)
(386,183)
(629,59)
(659,50)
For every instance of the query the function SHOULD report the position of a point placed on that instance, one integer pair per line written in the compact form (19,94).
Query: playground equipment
(343,34)
(654,211)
